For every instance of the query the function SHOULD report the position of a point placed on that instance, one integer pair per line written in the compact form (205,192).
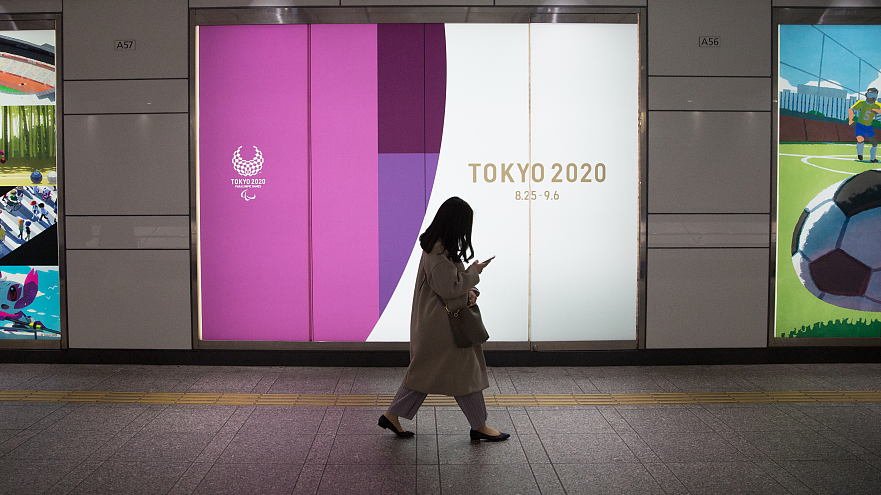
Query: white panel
(709,231)
(744,29)
(585,218)
(159,28)
(707,298)
(709,162)
(709,93)
(478,57)
(143,232)
(120,96)
(126,164)
(30,6)
(129,299)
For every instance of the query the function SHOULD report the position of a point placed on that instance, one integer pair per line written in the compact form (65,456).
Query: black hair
(452,227)
(871,89)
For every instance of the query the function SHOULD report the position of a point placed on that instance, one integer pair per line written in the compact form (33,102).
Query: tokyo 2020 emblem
(247,167)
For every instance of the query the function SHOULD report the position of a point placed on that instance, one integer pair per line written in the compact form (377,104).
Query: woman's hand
(480,266)
(472,297)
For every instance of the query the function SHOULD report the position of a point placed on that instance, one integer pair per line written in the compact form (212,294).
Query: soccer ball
(836,246)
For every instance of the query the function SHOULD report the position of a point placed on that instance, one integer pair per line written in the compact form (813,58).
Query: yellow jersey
(863,113)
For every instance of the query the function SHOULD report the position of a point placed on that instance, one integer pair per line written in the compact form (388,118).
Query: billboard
(828,281)
(325,149)
(30,302)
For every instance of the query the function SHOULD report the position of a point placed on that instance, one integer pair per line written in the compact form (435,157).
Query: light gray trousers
(407,402)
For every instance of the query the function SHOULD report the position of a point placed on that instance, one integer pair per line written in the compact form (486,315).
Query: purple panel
(401,208)
(435,86)
(400,62)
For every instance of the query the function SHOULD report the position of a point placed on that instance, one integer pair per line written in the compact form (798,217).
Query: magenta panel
(254,249)
(345,266)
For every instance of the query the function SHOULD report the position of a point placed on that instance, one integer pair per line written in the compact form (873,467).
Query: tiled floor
(773,448)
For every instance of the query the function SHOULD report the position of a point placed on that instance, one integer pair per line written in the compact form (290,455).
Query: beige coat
(437,366)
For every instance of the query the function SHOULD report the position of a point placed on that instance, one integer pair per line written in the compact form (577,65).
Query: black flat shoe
(385,423)
(476,435)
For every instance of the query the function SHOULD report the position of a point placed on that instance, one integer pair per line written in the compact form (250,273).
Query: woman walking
(437,366)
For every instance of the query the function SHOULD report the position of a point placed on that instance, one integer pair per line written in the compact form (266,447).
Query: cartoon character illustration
(862,114)
(15,296)
(21,228)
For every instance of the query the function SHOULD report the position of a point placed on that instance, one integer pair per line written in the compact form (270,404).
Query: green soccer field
(805,169)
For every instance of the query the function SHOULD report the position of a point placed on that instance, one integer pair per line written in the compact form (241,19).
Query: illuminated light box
(30,302)
(828,280)
(325,149)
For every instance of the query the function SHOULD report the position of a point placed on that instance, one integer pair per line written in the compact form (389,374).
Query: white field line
(805,159)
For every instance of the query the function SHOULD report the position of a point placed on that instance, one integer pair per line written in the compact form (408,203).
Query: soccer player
(864,111)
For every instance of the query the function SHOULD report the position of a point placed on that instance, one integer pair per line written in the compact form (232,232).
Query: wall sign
(704,41)
(324,150)
(29,295)
(828,281)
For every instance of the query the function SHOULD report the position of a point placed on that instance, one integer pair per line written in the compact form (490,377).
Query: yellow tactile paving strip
(437,400)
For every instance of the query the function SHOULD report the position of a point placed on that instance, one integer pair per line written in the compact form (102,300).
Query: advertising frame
(851,16)
(414,15)
(48,21)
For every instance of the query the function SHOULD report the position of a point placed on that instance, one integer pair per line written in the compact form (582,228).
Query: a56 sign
(705,41)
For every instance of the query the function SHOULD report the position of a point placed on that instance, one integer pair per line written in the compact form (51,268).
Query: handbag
(467,325)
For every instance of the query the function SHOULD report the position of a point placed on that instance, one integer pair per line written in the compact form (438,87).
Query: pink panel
(345,266)
(254,252)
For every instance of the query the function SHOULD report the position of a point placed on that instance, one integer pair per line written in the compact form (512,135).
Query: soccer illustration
(835,244)
(828,256)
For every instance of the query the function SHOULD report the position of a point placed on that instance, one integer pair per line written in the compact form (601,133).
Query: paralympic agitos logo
(247,168)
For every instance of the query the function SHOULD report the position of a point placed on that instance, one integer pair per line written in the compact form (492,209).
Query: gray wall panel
(709,231)
(141,232)
(126,164)
(29,6)
(707,298)
(709,93)
(674,27)
(709,162)
(159,28)
(129,299)
(132,96)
